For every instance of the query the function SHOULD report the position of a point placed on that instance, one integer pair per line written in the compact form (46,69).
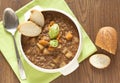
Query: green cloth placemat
(7,45)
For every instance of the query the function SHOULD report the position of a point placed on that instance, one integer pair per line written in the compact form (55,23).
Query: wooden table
(92,14)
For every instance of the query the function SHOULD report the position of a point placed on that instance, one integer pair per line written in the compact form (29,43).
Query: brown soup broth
(59,56)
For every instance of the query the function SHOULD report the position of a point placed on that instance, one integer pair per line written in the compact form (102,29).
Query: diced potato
(69,54)
(48,67)
(45,38)
(28,51)
(76,39)
(56,60)
(53,65)
(32,59)
(40,46)
(44,42)
(59,46)
(69,36)
(64,50)
(62,64)
(32,41)
(42,58)
(45,51)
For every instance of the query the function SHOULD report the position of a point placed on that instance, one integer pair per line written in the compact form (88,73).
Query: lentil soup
(44,51)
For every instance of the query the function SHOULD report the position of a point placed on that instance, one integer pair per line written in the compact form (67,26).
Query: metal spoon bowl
(10,22)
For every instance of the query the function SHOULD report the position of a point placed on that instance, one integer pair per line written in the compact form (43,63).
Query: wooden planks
(92,14)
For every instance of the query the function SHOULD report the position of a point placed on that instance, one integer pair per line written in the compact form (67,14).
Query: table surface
(92,14)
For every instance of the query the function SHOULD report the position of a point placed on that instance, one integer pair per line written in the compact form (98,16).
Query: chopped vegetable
(64,50)
(69,54)
(58,37)
(45,38)
(40,46)
(53,65)
(54,43)
(53,31)
(50,48)
(62,64)
(45,51)
(76,40)
(69,36)
(60,41)
(56,60)
(51,23)
(44,42)
(60,46)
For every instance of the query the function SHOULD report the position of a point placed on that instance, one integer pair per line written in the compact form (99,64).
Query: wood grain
(92,14)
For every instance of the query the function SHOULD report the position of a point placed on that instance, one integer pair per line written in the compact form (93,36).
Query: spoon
(10,22)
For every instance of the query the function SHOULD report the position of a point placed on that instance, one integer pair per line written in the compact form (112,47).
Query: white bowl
(73,64)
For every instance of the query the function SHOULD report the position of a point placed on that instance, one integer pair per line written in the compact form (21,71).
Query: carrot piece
(69,36)
(44,42)
(58,37)
(60,41)
(51,23)
(50,48)
(40,46)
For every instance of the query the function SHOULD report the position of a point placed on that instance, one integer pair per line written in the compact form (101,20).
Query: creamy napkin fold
(7,45)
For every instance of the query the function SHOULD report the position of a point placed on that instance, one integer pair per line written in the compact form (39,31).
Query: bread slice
(99,61)
(107,39)
(29,29)
(37,17)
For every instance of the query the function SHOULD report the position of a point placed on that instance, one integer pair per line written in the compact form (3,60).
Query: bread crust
(29,29)
(107,39)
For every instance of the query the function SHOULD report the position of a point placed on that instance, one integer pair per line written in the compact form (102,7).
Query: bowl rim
(74,20)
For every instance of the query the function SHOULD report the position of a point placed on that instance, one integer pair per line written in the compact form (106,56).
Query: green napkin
(7,45)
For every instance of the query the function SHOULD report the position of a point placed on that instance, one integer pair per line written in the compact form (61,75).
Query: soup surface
(38,49)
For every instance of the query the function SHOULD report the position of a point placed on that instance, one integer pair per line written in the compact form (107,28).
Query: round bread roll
(29,29)
(99,61)
(107,39)
(37,17)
